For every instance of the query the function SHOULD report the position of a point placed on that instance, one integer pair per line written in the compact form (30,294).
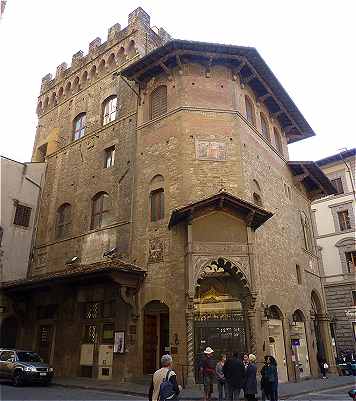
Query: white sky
(309,45)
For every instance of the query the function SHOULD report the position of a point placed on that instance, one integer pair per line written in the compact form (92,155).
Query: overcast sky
(309,45)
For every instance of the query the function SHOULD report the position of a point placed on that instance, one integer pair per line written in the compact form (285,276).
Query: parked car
(347,368)
(24,367)
(352,393)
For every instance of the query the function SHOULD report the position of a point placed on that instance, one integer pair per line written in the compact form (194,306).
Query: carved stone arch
(205,266)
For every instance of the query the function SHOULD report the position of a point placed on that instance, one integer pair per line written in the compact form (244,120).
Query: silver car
(23,367)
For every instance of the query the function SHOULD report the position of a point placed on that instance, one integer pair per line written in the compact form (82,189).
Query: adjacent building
(334,218)
(21,185)
(172,217)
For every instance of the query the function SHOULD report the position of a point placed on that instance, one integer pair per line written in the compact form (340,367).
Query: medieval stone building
(171,218)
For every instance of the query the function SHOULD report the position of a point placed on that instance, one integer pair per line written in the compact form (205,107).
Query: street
(38,393)
(326,395)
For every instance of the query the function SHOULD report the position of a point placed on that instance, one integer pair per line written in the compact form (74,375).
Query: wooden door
(45,334)
(150,342)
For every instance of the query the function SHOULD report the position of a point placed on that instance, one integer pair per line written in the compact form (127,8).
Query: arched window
(256,193)
(46,102)
(79,126)
(39,107)
(64,221)
(101,210)
(264,127)
(250,111)
(121,56)
(76,85)
(85,77)
(278,140)
(53,99)
(131,50)
(111,61)
(93,72)
(1,235)
(307,234)
(109,109)
(60,92)
(102,67)
(157,198)
(158,102)
(68,88)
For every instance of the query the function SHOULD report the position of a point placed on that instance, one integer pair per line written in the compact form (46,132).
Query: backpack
(166,391)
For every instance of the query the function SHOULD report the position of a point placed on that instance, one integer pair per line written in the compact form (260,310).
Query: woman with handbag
(220,378)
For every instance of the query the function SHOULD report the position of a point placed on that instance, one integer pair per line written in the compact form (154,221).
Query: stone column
(189,316)
(251,315)
(327,342)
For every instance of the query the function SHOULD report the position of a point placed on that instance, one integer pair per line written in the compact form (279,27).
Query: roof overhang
(315,182)
(113,270)
(244,62)
(338,157)
(253,215)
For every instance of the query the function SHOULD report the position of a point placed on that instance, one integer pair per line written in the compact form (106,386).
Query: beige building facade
(334,218)
(172,218)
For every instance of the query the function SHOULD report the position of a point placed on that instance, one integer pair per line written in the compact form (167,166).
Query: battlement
(137,20)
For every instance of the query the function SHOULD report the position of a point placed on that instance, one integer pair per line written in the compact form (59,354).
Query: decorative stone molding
(155,250)
(219,248)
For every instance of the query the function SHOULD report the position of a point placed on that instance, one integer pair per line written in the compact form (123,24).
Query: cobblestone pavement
(37,393)
(326,395)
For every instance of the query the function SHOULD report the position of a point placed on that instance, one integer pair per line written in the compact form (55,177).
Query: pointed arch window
(64,221)
(257,193)
(79,126)
(307,234)
(101,210)
(109,109)
(250,111)
(158,102)
(278,140)
(264,126)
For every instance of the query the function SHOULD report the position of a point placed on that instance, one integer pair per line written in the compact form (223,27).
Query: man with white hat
(208,373)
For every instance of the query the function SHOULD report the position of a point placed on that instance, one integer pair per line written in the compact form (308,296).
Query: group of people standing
(235,375)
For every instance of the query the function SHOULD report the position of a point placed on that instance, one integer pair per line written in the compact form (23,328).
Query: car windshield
(28,357)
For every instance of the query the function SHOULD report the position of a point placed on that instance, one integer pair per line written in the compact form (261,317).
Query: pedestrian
(234,372)
(208,373)
(220,378)
(269,379)
(245,360)
(250,389)
(167,375)
(323,366)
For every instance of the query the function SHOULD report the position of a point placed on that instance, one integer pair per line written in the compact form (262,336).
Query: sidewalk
(286,390)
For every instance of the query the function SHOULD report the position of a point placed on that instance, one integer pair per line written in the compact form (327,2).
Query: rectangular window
(90,333)
(92,310)
(108,309)
(47,311)
(157,204)
(351,261)
(337,183)
(299,274)
(108,332)
(22,216)
(354,298)
(344,220)
(109,157)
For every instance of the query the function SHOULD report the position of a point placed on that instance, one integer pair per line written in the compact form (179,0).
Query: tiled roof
(77,270)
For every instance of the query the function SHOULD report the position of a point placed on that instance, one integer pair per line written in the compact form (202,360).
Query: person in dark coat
(269,379)
(250,389)
(234,372)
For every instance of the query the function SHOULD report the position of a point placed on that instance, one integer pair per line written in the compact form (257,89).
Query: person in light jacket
(220,378)
(251,380)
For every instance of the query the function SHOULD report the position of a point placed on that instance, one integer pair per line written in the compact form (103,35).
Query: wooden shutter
(159,101)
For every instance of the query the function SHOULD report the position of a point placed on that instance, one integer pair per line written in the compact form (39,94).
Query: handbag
(326,366)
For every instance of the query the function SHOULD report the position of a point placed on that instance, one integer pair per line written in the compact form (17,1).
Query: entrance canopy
(253,215)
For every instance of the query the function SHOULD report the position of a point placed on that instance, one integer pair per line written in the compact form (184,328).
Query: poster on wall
(119,342)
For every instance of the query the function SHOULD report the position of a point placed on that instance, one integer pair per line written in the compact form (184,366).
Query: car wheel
(17,379)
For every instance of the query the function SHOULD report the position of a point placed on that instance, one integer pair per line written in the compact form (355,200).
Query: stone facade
(231,203)
(335,242)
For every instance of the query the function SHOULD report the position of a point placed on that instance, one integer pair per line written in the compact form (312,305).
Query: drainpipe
(37,212)
(349,171)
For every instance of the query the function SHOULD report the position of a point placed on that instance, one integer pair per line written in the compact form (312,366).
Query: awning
(116,270)
(253,215)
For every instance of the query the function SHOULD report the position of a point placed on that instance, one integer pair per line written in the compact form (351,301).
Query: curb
(138,394)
